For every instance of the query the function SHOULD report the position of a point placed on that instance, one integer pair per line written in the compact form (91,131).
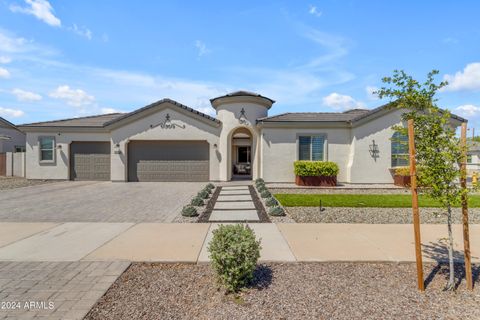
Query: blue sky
(66,58)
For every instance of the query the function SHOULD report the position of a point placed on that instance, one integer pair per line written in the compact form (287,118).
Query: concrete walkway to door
(188,242)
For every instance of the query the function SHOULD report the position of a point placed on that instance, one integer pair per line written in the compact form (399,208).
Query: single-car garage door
(168,161)
(90,161)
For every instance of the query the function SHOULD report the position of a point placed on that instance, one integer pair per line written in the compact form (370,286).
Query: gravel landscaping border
(275,219)
(203,218)
(8,183)
(377,215)
(262,213)
(290,291)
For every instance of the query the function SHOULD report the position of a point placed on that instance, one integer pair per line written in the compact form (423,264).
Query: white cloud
(335,47)
(81,31)
(314,11)
(73,97)
(4,73)
(14,113)
(110,110)
(5,60)
(370,92)
(468,110)
(341,102)
(468,79)
(202,48)
(23,95)
(41,9)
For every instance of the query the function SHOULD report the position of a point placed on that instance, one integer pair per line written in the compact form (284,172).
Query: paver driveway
(97,202)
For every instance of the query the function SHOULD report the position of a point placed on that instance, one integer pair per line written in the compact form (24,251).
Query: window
(311,148)
(47,148)
(19,148)
(399,150)
(469,158)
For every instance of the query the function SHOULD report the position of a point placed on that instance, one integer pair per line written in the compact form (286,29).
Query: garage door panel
(168,161)
(90,161)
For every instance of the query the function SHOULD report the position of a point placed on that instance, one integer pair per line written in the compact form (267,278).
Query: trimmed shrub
(276,211)
(189,211)
(402,171)
(261,188)
(271,202)
(203,194)
(234,252)
(259,180)
(207,190)
(197,201)
(315,168)
(265,194)
(210,186)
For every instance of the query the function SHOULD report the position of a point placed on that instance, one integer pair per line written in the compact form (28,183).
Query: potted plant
(401,176)
(316,173)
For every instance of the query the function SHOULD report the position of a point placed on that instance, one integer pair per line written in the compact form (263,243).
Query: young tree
(438,151)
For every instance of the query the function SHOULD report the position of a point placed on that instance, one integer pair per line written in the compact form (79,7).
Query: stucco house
(168,141)
(11,138)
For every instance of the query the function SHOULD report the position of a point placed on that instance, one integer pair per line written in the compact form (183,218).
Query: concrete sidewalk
(164,242)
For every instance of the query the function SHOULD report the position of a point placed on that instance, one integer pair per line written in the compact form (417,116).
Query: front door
(243,162)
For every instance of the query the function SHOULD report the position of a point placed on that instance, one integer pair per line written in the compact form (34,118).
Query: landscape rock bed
(7,183)
(288,291)
(275,219)
(376,215)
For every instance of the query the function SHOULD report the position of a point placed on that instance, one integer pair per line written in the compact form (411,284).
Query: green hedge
(315,168)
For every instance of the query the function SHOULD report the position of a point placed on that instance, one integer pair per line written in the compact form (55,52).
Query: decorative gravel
(275,219)
(339,190)
(7,183)
(376,215)
(288,291)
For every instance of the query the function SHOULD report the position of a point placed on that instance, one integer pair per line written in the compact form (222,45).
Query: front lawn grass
(363,200)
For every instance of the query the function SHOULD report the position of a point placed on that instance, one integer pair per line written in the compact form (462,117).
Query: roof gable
(7,124)
(147,110)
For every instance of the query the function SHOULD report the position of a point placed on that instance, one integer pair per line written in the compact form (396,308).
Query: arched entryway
(242,154)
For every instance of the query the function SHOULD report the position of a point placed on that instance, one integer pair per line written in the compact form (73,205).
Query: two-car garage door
(168,161)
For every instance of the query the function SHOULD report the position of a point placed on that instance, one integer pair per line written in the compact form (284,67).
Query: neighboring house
(168,141)
(11,138)
(473,158)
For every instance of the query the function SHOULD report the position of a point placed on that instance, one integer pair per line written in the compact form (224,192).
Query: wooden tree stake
(416,217)
(463,182)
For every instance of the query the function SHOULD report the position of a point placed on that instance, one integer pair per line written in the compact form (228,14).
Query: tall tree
(438,151)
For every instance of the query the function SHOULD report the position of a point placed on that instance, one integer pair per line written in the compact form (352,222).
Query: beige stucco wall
(18,139)
(59,169)
(229,114)
(141,130)
(363,168)
(280,150)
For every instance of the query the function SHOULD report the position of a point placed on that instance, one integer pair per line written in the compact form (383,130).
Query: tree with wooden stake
(438,149)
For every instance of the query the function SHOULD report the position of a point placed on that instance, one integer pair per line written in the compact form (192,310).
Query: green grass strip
(363,200)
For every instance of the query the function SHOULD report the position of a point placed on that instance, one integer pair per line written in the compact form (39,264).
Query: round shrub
(265,194)
(261,188)
(207,190)
(210,186)
(315,168)
(276,211)
(203,194)
(197,201)
(234,252)
(259,180)
(189,211)
(271,202)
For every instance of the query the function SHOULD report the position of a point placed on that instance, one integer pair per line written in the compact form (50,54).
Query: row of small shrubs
(274,209)
(315,168)
(198,201)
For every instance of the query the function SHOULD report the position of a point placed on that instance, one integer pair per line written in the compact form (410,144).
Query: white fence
(15,164)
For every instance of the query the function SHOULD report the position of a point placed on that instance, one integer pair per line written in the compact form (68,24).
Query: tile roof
(242,93)
(316,116)
(90,121)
